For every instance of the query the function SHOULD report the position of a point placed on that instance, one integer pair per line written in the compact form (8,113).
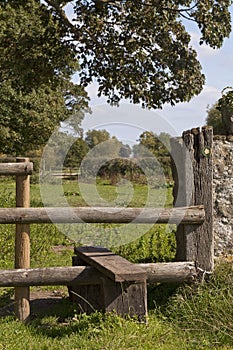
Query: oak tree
(135,49)
(220,115)
(140,49)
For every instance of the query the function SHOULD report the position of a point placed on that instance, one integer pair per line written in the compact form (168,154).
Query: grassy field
(180,317)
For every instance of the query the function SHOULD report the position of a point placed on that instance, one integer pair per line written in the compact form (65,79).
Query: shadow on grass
(159,295)
(61,320)
(57,317)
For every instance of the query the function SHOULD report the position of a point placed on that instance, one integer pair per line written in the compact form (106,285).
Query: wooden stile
(122,284)
(100,279)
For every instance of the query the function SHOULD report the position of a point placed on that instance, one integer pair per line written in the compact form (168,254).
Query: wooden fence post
(193,176)
(22,244)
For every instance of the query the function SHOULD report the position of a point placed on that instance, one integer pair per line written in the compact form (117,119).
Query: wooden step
(110,264)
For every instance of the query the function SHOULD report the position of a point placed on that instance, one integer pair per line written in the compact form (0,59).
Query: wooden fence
(192,212)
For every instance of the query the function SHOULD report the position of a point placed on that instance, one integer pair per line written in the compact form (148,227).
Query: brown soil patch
(41,302)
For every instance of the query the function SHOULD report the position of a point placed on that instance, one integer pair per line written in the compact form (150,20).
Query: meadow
(197,316)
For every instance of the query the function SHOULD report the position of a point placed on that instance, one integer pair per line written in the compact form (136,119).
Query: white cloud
(192,114)
(202,50)
(128,121)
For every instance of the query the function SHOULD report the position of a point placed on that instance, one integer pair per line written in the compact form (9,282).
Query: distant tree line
(100,154)
(97,153)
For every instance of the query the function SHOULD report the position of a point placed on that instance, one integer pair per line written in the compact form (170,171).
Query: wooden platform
(122,285)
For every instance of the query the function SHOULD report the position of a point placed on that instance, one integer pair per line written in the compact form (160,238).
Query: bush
(157,245)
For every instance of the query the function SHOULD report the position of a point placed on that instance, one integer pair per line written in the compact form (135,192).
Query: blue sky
(128,121)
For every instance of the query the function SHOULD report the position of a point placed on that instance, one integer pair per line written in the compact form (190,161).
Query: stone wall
(223,194)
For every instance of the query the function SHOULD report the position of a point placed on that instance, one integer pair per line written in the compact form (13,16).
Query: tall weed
(204,312)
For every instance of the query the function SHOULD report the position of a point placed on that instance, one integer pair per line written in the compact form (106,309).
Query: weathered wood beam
(22,243)
(186,215)
(84,275)
(25,168)
(193,176)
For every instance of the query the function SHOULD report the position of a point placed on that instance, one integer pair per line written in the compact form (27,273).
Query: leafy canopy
(36,63)
(140,49)
(134,49)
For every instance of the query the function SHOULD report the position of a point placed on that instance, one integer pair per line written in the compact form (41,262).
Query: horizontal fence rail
(86,275)
(24,168)
(184,215)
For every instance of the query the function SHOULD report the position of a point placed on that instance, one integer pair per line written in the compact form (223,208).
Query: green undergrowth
(95,332)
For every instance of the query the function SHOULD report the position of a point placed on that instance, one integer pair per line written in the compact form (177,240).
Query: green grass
(180,317)
(89,333)
(192,317)
(102,193)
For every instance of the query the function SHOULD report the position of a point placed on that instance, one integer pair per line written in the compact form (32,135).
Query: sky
(128,121)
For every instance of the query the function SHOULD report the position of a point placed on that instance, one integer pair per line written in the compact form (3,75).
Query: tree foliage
(76,153)
(214,119)
(140,49)
(225,106)
(220,115)
(96,137)
(135,49)
(36,63)
(155,146)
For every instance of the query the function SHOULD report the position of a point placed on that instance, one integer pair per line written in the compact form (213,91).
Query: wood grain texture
(110,265)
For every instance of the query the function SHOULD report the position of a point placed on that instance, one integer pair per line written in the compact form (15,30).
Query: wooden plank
(24,168)
(177,272)
(88,298)
(22,244)
(126,298)
(111,265)
(180,161)
(187,215)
